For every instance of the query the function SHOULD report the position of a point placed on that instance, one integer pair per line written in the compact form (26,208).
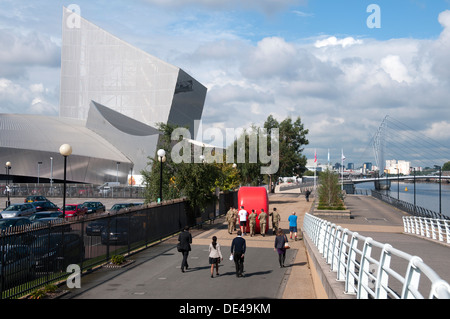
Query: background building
(112,96)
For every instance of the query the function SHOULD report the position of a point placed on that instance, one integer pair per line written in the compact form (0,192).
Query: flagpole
(315,169)
(342,169)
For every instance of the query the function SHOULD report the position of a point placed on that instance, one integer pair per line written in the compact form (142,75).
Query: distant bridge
(392,178)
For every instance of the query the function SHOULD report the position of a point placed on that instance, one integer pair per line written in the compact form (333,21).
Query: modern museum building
(112,96)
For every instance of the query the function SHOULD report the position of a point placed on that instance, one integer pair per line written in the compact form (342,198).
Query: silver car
(18,210)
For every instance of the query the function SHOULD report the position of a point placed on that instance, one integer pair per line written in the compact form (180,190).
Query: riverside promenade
(155,272)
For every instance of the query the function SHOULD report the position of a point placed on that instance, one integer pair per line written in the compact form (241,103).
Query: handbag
(286,244)
(179,247)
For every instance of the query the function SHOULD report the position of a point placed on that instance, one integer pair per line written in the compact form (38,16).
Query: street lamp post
(8,190)
(161,159)
(39,165)
(65,150)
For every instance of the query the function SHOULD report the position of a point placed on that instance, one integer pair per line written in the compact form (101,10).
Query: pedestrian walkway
(156,271)
(383,223)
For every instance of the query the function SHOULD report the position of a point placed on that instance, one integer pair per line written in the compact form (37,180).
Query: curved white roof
(46,133)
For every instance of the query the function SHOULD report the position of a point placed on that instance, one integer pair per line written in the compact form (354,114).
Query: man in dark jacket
(185,239)
(238,247)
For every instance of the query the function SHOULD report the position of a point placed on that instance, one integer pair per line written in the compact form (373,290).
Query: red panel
(254,198)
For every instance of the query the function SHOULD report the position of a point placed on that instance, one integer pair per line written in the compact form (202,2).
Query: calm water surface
(427,194)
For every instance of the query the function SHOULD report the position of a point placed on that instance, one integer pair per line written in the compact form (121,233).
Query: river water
(427,194)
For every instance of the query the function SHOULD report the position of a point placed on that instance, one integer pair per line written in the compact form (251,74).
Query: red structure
(254,198)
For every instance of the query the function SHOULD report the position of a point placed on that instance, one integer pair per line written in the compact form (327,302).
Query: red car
(73,210)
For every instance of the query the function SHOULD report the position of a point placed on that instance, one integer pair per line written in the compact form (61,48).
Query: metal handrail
(366,276)
(437,229)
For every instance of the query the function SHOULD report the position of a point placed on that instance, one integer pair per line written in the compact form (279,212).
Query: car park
(17,265)
(56,251)
(117,232)
(14,222)
(95,227)
(73,210)
(18,210)
(44,206)
(56,224)
(94,207)
(35,198)
(117,207)
(40,215)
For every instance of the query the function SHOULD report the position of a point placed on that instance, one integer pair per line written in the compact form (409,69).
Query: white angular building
(112,96)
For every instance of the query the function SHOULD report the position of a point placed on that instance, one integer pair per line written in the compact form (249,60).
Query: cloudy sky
(322,60)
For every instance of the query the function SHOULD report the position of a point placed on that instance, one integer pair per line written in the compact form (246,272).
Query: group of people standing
(242,217)
(238,245)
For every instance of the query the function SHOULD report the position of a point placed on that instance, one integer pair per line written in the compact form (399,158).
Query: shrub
(117,259)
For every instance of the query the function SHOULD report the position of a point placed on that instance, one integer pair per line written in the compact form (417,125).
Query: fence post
(412,278)
(363,280)
(350,287)
(383,276)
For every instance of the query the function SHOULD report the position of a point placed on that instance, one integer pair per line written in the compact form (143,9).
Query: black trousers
(184,263)
(239,262)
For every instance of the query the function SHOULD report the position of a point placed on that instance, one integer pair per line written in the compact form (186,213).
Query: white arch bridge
(384,182)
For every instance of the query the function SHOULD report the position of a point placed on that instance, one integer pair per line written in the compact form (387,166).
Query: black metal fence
(34,255)
(73,190)
(408,207)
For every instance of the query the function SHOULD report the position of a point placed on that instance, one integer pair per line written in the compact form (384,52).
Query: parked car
(118,231)
(44,206)
(58,224)
(18,210)
(121,230)
(116,207)
(56,251)
(73,210)
(17,265)
(40,215)
(14,222)
(35,198)
(94,207)
(95,227)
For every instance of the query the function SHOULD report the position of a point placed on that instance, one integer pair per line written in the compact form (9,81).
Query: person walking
(215,256)
(279,247)
(262,222)
(185,239)
(293,225)
(307,193)
(275,220)
(236,217)
(243,220)
(231,219)
(238,247)
(252,222)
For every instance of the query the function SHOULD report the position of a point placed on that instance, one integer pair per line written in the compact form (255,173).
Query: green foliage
(117,259)
(330,195)
(446,166)
(196,180)
(42,292)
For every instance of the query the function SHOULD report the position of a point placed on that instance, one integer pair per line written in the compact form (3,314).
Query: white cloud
(396,69)
(333,41)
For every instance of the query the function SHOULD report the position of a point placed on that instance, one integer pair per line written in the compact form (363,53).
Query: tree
(292,139)
(446,166)
(195,180)
(330,196)
(152,178)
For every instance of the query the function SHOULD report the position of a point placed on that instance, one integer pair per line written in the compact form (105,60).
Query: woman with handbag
(281,244)
(215,256)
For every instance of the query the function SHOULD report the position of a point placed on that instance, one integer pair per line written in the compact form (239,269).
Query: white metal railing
(350,255)
(437,229)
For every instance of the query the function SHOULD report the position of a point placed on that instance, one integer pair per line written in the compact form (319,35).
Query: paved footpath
(155,273)
(383,223)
